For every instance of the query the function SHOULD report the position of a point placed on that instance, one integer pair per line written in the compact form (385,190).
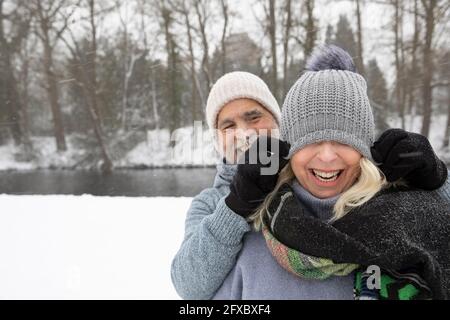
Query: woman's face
(326,168)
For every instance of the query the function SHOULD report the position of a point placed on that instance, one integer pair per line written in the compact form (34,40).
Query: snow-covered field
(86,247)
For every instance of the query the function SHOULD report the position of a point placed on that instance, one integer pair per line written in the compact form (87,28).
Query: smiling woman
(332,213)
(326,168)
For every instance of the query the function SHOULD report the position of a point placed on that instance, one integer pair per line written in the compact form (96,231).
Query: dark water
(149,182)
(186,182)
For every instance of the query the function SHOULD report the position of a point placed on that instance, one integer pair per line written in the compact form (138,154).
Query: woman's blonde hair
(370,181)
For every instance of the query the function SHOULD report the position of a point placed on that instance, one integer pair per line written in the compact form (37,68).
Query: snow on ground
(86,247)
(7,160)
(191,148)
(46,155)
(183,148)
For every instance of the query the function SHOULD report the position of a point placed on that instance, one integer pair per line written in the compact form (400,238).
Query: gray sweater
(213,240)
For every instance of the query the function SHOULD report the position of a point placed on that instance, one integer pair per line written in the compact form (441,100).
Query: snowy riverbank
(186,147)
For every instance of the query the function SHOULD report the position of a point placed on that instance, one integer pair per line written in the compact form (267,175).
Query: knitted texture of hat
(328,105)
(239,85)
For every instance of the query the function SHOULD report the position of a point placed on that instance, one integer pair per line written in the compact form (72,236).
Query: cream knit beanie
(239,85)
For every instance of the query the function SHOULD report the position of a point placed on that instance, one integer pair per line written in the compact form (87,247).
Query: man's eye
(255,118)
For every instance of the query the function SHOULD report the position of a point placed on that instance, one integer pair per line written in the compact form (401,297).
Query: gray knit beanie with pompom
(328,103)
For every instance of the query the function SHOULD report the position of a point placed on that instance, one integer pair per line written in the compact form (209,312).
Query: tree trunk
(273,47)
(25,122)
(154,100)
(12,96)
(359,58)
(88,85)
(428,66)
(52,91)
(224,33)
(398,63)
(206,67)
(172,93)
(413,73)
(125,68)
(195,88)
(92,57)
(446,142)
(311,31)
(287,35)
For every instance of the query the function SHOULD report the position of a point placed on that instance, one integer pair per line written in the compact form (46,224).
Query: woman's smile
(325,178)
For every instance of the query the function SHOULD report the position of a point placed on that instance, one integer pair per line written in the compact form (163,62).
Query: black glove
(251,184)
(408,155)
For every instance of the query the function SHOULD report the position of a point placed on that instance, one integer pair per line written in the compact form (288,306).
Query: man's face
(239,123)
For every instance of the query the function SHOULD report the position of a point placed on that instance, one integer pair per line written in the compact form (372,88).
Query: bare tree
(272,29)
(147,47)
(286,41)
(87,66)
(204,14)
(431,13)
(446,142)
(310,28)
(431,10)
(196,91)
(359,59)
(52,17)
(413,72)
(172,91)
(129,60)
(225,15)
(10,45)
(399,59)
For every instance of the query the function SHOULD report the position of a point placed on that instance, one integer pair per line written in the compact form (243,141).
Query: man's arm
(212,241)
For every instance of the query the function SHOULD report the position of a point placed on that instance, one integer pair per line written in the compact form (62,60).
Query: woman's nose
(327,153)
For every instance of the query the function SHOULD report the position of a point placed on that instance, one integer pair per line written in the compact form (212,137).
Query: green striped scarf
(394,286)
(303,265)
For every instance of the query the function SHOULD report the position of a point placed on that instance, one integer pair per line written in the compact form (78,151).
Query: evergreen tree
(378,93)
(344,36)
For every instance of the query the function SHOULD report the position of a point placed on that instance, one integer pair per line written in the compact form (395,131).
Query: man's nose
(246,133)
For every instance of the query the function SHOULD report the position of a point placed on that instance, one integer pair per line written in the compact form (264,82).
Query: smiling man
(240,106)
